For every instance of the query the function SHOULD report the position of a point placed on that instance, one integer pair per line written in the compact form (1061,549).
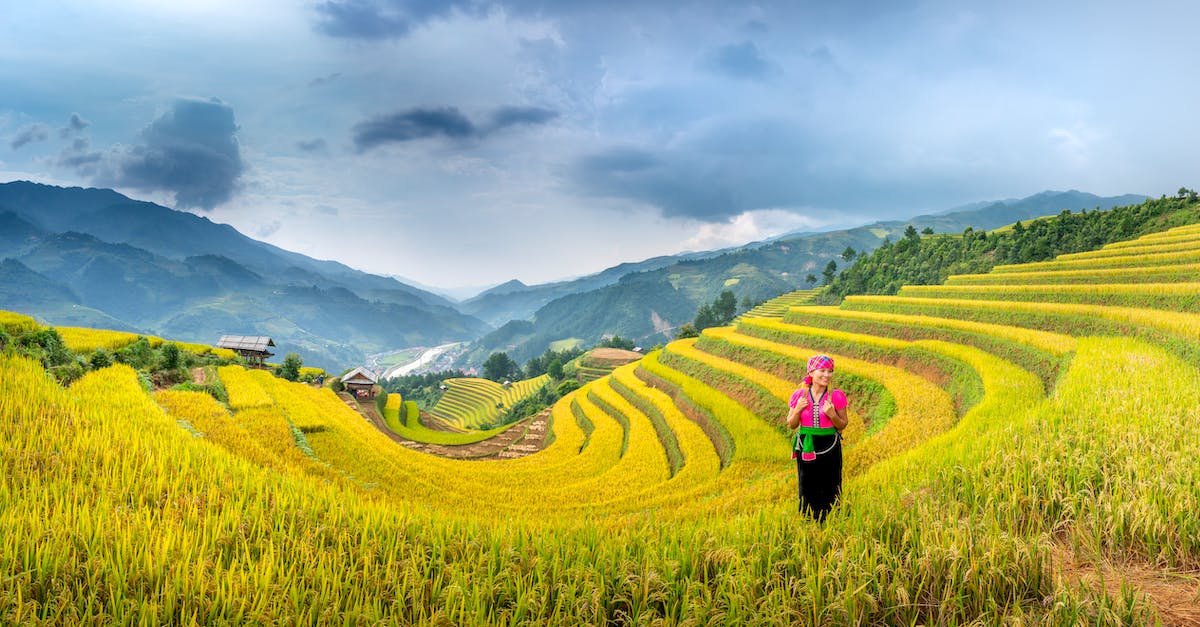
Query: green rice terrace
(1022,449)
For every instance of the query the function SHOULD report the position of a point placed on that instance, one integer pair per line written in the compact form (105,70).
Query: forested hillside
(929,259)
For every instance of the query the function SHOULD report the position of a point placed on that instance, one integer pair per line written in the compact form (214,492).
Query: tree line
(927,259)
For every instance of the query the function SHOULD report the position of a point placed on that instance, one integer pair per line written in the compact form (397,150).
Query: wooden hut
(360,382)
(253,348)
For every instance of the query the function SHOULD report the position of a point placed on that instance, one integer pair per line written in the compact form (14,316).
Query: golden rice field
(470,402)
(1010,461)
(82,340)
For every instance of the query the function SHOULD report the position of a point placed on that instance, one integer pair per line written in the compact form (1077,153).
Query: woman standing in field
(817,446)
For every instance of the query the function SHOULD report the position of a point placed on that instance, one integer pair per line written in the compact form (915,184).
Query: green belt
(803,441)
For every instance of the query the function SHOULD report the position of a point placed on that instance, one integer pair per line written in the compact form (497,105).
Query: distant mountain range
(649,301)
(93,257)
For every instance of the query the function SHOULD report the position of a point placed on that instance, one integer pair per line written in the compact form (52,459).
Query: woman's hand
(828,409)
(793,417)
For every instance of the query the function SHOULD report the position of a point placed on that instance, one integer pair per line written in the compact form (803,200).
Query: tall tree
(499,367)
(830,270)
(725,307)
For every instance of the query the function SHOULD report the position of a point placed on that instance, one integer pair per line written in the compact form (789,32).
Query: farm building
(360,382)
(251,347)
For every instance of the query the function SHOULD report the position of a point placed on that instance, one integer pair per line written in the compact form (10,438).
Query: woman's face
(822,376)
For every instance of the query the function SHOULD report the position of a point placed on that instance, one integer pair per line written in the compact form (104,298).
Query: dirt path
(524,438)
(200,375)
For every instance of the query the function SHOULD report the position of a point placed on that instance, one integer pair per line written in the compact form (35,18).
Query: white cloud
(753,226)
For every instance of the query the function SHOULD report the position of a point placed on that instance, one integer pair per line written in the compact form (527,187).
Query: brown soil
(524,438)
(1175,595)
(200,376)
(611,357)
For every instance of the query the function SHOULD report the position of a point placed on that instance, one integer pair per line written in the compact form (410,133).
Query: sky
(463,143)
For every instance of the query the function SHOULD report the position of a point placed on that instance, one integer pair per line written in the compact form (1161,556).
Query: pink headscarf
(816,362)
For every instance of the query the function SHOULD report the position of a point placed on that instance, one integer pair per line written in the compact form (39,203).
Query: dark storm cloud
(312,145)
(742,60)
(413,124)
(678,189)
(445,122)
(387,19)
(378,19)
(511,116)
(74,126)
(79,156)
(28,135)
(190,151)
(734,167)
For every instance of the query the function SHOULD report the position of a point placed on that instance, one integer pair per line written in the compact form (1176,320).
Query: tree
(830,270)
(555,370)
(927,231)
(725,307)
(499,367)
(686,331)
(170,357)
(848,254)
(811,279)
(617,341)
(705,318)
(290,368)
(911,233)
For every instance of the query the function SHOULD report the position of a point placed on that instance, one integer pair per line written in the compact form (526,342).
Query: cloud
(718,171)
(29,134)
(78,156)
(378,19)
(511,116)
(324,80)
(190,151)
(313,145)
(268,229)
(678,188)
(75,125)
(445,122)
(742,61)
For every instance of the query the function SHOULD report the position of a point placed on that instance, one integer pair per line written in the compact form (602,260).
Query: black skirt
(820,480)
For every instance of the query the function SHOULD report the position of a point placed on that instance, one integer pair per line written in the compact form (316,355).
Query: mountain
(92,257)
(647,306)
(516,301)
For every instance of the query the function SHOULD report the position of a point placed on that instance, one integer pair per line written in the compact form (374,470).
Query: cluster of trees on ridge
(161,366)
(930,260)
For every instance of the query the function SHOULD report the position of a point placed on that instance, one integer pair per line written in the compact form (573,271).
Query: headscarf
(816,362)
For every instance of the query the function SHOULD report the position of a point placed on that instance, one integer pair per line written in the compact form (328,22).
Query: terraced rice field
(1018,453)
(470,403)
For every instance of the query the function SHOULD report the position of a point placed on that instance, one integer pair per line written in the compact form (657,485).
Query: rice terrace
(1022,451)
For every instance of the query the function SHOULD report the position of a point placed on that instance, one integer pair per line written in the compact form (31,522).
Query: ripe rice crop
(1145,274)
(1124,261)
(122,507)
(1170,296)
(778,306)
(1145,248)
(471,402)
(17,324)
